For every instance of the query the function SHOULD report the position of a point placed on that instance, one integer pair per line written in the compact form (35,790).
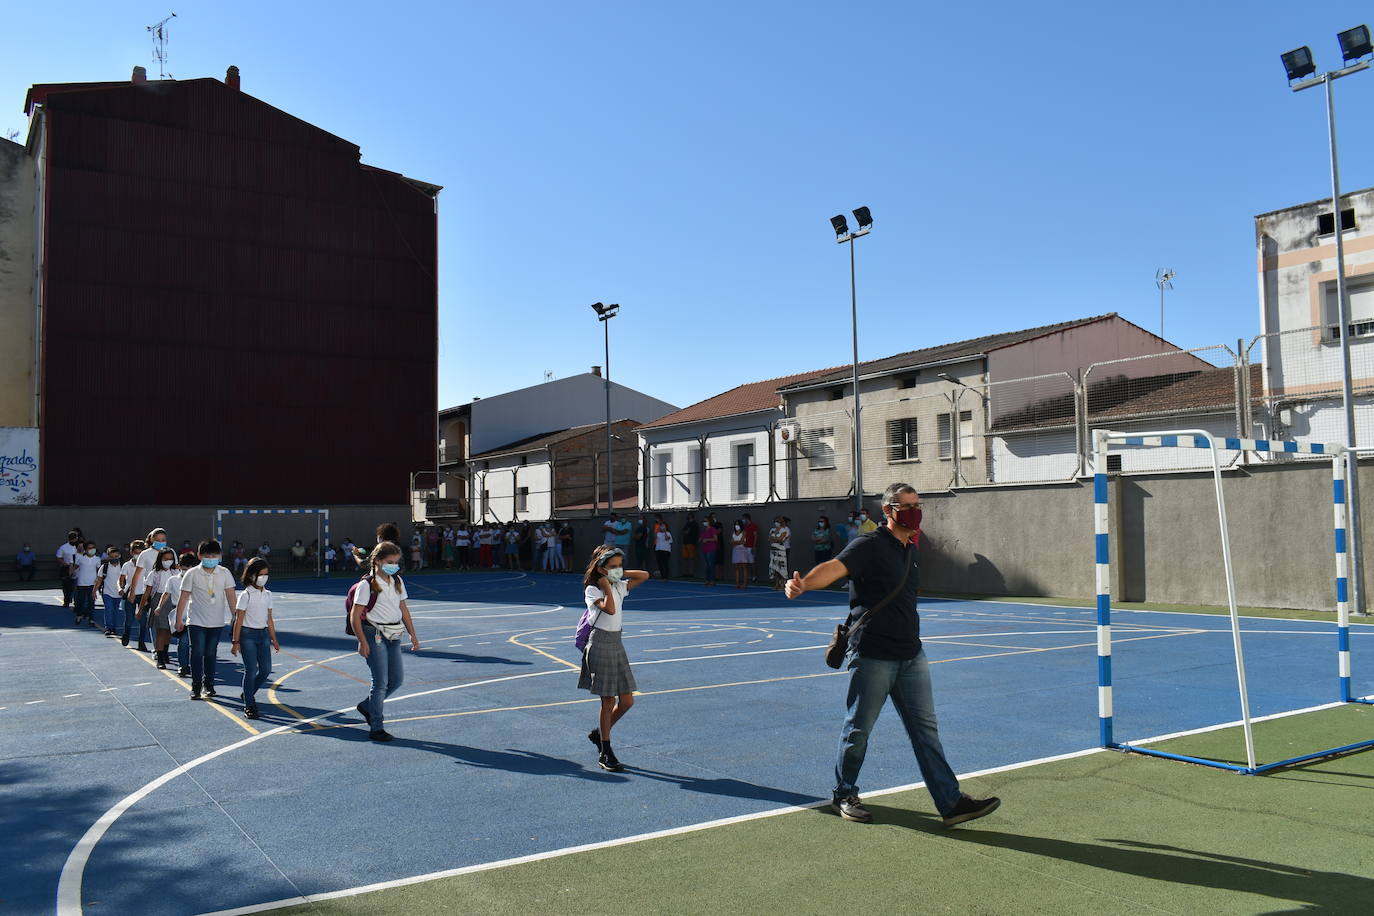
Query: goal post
(1102,441)
(321,526)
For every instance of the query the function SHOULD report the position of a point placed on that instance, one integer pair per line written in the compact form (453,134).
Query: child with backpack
(253,631)
(110,584)
(378,616)
(605,667)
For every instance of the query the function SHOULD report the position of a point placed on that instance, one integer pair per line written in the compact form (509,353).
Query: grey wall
(573,401)
(46,526)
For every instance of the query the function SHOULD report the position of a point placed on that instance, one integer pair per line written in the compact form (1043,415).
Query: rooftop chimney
(596,371)
(231,78)
(140,76)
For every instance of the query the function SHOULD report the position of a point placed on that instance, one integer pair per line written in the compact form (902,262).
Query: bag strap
(901,584)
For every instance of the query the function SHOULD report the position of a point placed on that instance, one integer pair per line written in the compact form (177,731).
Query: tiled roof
(1120,399)
(544,440)
(748,398)
(949,351)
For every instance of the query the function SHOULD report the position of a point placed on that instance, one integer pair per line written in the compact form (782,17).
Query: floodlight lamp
(598,307)
(863,217)
(841,225)
(1298,63)
(1354,43)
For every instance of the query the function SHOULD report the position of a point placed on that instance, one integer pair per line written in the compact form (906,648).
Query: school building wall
(16,286)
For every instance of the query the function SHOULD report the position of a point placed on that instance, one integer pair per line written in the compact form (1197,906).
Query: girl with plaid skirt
(605,667)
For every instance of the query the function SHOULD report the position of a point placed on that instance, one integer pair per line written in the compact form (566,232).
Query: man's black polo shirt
(874,563)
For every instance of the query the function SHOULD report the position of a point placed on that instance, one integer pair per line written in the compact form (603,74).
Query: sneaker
(607,761)
(380,735)
(851,809)
(184,672)
(594,736)
(251,713)
(109,634)
(195,694)
(123,640)
(362,711)
(210,692)
(969,809)
(161,666)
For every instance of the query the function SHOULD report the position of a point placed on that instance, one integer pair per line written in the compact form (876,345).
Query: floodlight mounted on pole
(1164,280)
(842,234)
(604,314)
(1299,63)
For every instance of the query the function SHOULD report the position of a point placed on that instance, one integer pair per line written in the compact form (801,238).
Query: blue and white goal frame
(322,525)
(1102,440)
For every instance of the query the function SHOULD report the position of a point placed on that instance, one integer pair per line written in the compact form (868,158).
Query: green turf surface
(1103,833)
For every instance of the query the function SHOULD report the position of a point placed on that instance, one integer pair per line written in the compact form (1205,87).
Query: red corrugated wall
(238,312)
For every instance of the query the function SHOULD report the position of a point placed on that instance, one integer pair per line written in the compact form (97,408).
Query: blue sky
(1024,165)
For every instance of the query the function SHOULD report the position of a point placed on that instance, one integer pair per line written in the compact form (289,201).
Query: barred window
(818,445)
(901,439)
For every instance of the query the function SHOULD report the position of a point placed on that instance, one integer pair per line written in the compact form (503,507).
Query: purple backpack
(584,629)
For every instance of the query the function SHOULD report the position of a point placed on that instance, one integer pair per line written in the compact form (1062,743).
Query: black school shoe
(851,809)
(251,712)
(594,736)
(380,735)
(362,711)
(607,760)
(969,809)
(210,692)
(195,693)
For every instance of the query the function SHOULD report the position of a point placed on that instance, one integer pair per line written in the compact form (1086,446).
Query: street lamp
(864,218)
(1164,280)
(604,314)
(1299,63)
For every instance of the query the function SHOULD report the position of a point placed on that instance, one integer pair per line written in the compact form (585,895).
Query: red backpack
(348,602)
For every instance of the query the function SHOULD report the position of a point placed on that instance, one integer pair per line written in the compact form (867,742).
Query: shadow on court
(731,788)
(1333,892)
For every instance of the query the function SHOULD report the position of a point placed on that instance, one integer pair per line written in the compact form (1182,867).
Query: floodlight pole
(1343,306)
(610,461)
(854,329)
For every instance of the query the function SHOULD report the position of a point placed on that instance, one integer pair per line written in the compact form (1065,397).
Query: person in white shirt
(126,573)
(330,555)
(663,547)
(207,597)
(86,569)
(159,606)
(66,559)
(462,545)
(605,667)
(170,598)
(512,539)
(379,629)
(110,584)
(254,631)
(138,585)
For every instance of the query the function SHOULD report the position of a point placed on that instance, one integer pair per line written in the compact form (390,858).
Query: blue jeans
(204,655)
(112,608)
(130,606)
(256,649)
(384,661)
(871,682)
(183,645)
(84,601)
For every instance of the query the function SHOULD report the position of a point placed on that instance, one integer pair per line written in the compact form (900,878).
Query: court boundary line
(706,825)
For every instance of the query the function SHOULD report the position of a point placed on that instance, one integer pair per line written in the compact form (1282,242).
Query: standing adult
(710,544)
(751,540)
(779,550)
(717,524)
(822,541)
(740,555)
(663,548)
(379,617)
(207,600)
(641,543)
(66,566)
(25,559)
(691,535)
(621,528)
(565,546)
(886,659)
(866,524)
(297,554)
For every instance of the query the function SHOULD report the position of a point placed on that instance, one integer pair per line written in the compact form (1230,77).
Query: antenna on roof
(1163,279)
(548,375)
(159,33)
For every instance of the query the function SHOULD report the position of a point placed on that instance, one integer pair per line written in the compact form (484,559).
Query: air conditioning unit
(788,433)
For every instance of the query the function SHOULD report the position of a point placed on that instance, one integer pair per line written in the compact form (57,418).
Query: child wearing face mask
(110,585)
(253,632)
(605,667)
(160,606)
(169,600)
(380,616)
(207,591)
(86,569)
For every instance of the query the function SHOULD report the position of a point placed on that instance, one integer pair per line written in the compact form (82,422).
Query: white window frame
(911,440)
(662,468)
(695,472)
(744,483)
(944,434)
(966,447)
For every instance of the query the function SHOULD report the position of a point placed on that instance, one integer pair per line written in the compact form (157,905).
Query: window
(1361,310)
(818,445)
(1113,464)
(524,460)
(522,499)
(663,469)
(694,475)
(744,470)
(486,502)
(907,382)
(942,433)
(836,394)
(901,439)
(1325,223)
(966,434)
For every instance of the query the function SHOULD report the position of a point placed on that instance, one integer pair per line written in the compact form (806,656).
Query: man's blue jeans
(256,649)
(871,682)
(204,655)
(384,661)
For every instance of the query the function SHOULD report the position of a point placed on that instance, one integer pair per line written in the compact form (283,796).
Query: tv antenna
(1164,280)
(548,375)
(159,33)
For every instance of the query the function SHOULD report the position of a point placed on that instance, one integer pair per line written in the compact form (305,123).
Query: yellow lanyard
(211,586)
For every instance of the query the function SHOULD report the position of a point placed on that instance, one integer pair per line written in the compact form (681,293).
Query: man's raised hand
(794,586)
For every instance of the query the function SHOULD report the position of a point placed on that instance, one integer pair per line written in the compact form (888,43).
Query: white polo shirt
(87,570)
(209,605)
(255,604)
(388,606)
(613,623)
(146,561)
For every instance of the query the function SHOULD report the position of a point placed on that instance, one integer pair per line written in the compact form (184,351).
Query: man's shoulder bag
(839,642)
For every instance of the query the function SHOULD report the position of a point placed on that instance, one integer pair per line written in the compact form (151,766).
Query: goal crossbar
(321,528)
(1102,441)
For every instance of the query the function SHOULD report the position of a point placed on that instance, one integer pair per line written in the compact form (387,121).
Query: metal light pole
(1164,280)
(1355,44)
(604,314)
(842,234)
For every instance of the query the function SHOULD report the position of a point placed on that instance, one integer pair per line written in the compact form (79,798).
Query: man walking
(886,659)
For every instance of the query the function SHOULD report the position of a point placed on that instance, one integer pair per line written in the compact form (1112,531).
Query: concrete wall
(16,286)
(45,527)
(714,467)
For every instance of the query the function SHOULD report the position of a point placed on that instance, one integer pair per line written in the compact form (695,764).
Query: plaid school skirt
(605,667)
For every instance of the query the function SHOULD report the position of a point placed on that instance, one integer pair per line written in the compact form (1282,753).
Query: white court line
(31,702)
(706,825)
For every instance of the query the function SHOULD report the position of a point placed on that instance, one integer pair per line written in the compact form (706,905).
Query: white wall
(502,479)
(567,402)
(672,449)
